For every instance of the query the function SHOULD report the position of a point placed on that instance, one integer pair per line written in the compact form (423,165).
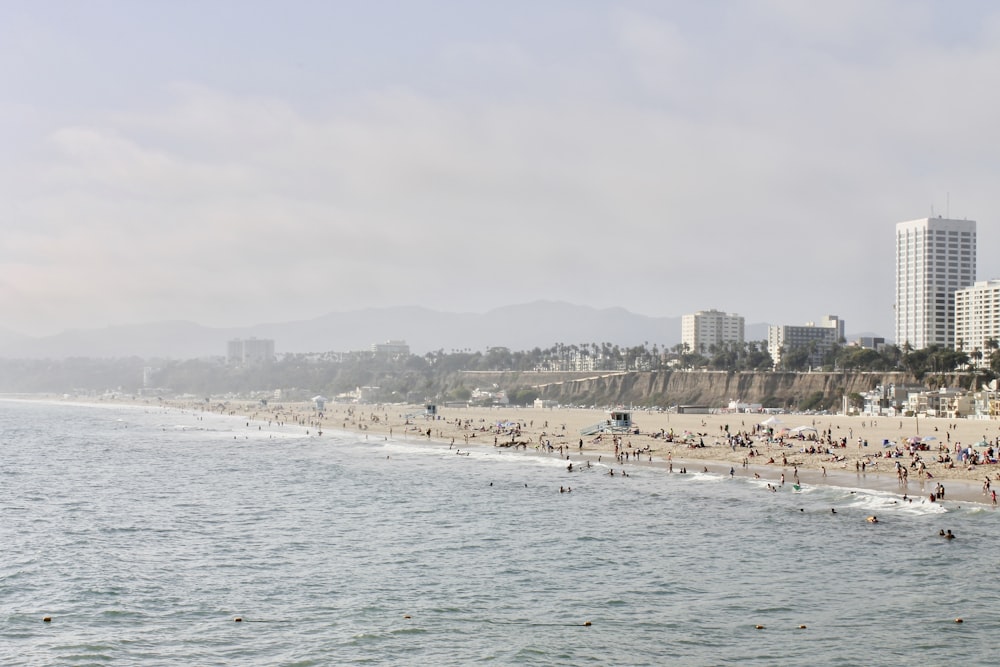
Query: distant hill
(519,327)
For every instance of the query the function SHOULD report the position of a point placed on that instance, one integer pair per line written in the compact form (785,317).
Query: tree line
(441,375)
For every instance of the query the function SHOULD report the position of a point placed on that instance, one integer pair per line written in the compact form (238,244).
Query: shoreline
(559,428)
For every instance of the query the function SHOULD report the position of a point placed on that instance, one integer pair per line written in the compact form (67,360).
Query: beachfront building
(935,257)
(818,339)
(950,402)
(249,352)
(706,330)
(889,400)
(977,321)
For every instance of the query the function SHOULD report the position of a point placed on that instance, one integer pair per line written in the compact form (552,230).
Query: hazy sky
(241,162)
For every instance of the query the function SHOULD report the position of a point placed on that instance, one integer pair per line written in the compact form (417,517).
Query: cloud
(682,159)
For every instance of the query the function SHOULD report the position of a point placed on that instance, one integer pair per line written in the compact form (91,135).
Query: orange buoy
(46,619)
(406,615)
(959,620)
(586,624)
(802,627)
(238,619)
(758,627)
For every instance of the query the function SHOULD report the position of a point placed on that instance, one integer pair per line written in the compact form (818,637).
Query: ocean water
(143,533)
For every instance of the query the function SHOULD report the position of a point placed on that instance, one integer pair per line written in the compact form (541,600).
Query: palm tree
(992,345)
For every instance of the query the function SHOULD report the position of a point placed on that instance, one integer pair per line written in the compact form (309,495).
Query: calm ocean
(143,533)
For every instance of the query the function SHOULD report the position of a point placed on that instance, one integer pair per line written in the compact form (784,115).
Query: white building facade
(977,320)
(935,257)
(707,328)
(819,337)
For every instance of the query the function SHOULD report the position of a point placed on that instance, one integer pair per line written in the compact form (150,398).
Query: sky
(241,162)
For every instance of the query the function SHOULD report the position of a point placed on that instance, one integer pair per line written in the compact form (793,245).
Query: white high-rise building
(935,257)
(977,320)
(706,328)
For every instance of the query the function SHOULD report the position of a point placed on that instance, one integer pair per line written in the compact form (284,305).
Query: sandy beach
(694,442)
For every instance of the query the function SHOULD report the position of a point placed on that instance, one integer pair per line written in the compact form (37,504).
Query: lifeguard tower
(619,421)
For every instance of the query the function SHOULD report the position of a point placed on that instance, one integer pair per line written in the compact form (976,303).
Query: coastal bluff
(713,389)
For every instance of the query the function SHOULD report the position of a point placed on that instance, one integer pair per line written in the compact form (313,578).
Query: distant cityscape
(938,304)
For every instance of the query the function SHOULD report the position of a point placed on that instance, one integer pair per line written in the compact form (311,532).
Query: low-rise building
(817,338)
(889,400)
(392,349)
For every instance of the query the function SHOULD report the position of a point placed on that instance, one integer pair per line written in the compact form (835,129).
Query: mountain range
(518,327)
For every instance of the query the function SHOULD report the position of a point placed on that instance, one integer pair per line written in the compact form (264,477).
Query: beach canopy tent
(771,421)
(803,429)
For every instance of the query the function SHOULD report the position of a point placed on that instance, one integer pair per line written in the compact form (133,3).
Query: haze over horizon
(235,163)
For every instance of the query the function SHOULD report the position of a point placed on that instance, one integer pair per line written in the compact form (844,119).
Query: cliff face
(712,389)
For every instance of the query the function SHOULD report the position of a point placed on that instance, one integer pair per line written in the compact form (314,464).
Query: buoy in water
(238,619)
(406,615)
(959,620)
(758,627)
(802,627)
(46,619)
(586,624)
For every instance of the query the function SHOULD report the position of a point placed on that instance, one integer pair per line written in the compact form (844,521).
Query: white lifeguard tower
(619,421)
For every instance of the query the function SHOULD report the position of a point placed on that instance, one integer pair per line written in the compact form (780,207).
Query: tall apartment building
(701,330)
(249,351)
(977,319)
(935,257)
(820,337)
